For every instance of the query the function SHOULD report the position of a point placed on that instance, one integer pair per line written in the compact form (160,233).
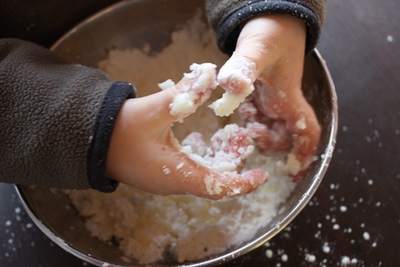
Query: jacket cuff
(229,28)
(103,127)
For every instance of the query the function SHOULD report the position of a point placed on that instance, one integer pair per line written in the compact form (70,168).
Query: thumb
(260,48)
(238,74)
(255,51)
(261,43)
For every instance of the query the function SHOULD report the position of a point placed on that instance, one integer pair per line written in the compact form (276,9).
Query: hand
(271,49)
(145,154)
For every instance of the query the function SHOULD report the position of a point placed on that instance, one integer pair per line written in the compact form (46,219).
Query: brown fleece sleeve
(56,119)
(227,16)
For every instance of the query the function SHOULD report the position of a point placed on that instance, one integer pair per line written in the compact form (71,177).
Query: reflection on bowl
(127,28)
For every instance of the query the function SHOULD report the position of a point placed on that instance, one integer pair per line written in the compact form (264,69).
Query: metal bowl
(134,24)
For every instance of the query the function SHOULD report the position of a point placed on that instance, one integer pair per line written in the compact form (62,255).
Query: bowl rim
(245,248)
(242,249)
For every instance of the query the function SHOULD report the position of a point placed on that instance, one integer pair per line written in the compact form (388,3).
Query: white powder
(326,248)
(269,253)
(366,236)
(310,258)
(354,261)
(345,260)
(343,208)
(166,170)
(149,227)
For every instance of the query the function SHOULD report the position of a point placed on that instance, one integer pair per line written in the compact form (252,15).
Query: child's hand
(144,153)
(271,49)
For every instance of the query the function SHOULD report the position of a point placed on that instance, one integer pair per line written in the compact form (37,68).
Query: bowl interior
(135,24)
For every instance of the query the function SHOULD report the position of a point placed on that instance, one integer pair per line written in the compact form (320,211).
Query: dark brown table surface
(355,214)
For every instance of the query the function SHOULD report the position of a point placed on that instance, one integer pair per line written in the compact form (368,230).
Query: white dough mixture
(152,228)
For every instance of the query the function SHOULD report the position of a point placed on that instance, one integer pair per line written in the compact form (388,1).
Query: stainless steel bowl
(133,24)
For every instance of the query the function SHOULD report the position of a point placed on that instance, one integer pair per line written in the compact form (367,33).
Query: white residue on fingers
(166,84)
(195,94)
(301,123)
(213,185)
(236,77)
(229,102)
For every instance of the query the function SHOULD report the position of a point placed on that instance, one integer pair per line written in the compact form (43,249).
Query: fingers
(271,141)
(173,172)
(265,40)
(269,132)
(255,51)
(262,46)
(178,101)
(229,149)
(236,77)
(229,184)
(302,126)
(238,74)
(283,121)
(307,132)
(194,179)
(151,160)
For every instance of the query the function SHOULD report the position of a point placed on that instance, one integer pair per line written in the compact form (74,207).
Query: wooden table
(354,217)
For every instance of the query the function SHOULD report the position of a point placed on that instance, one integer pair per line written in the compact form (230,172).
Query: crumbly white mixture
(291,166)
(153,228)
(229,149)
(228,103)
(148,227)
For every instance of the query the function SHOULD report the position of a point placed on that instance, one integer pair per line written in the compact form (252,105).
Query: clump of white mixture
(152,228)
(187,101)
(228,151)
(239,70)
